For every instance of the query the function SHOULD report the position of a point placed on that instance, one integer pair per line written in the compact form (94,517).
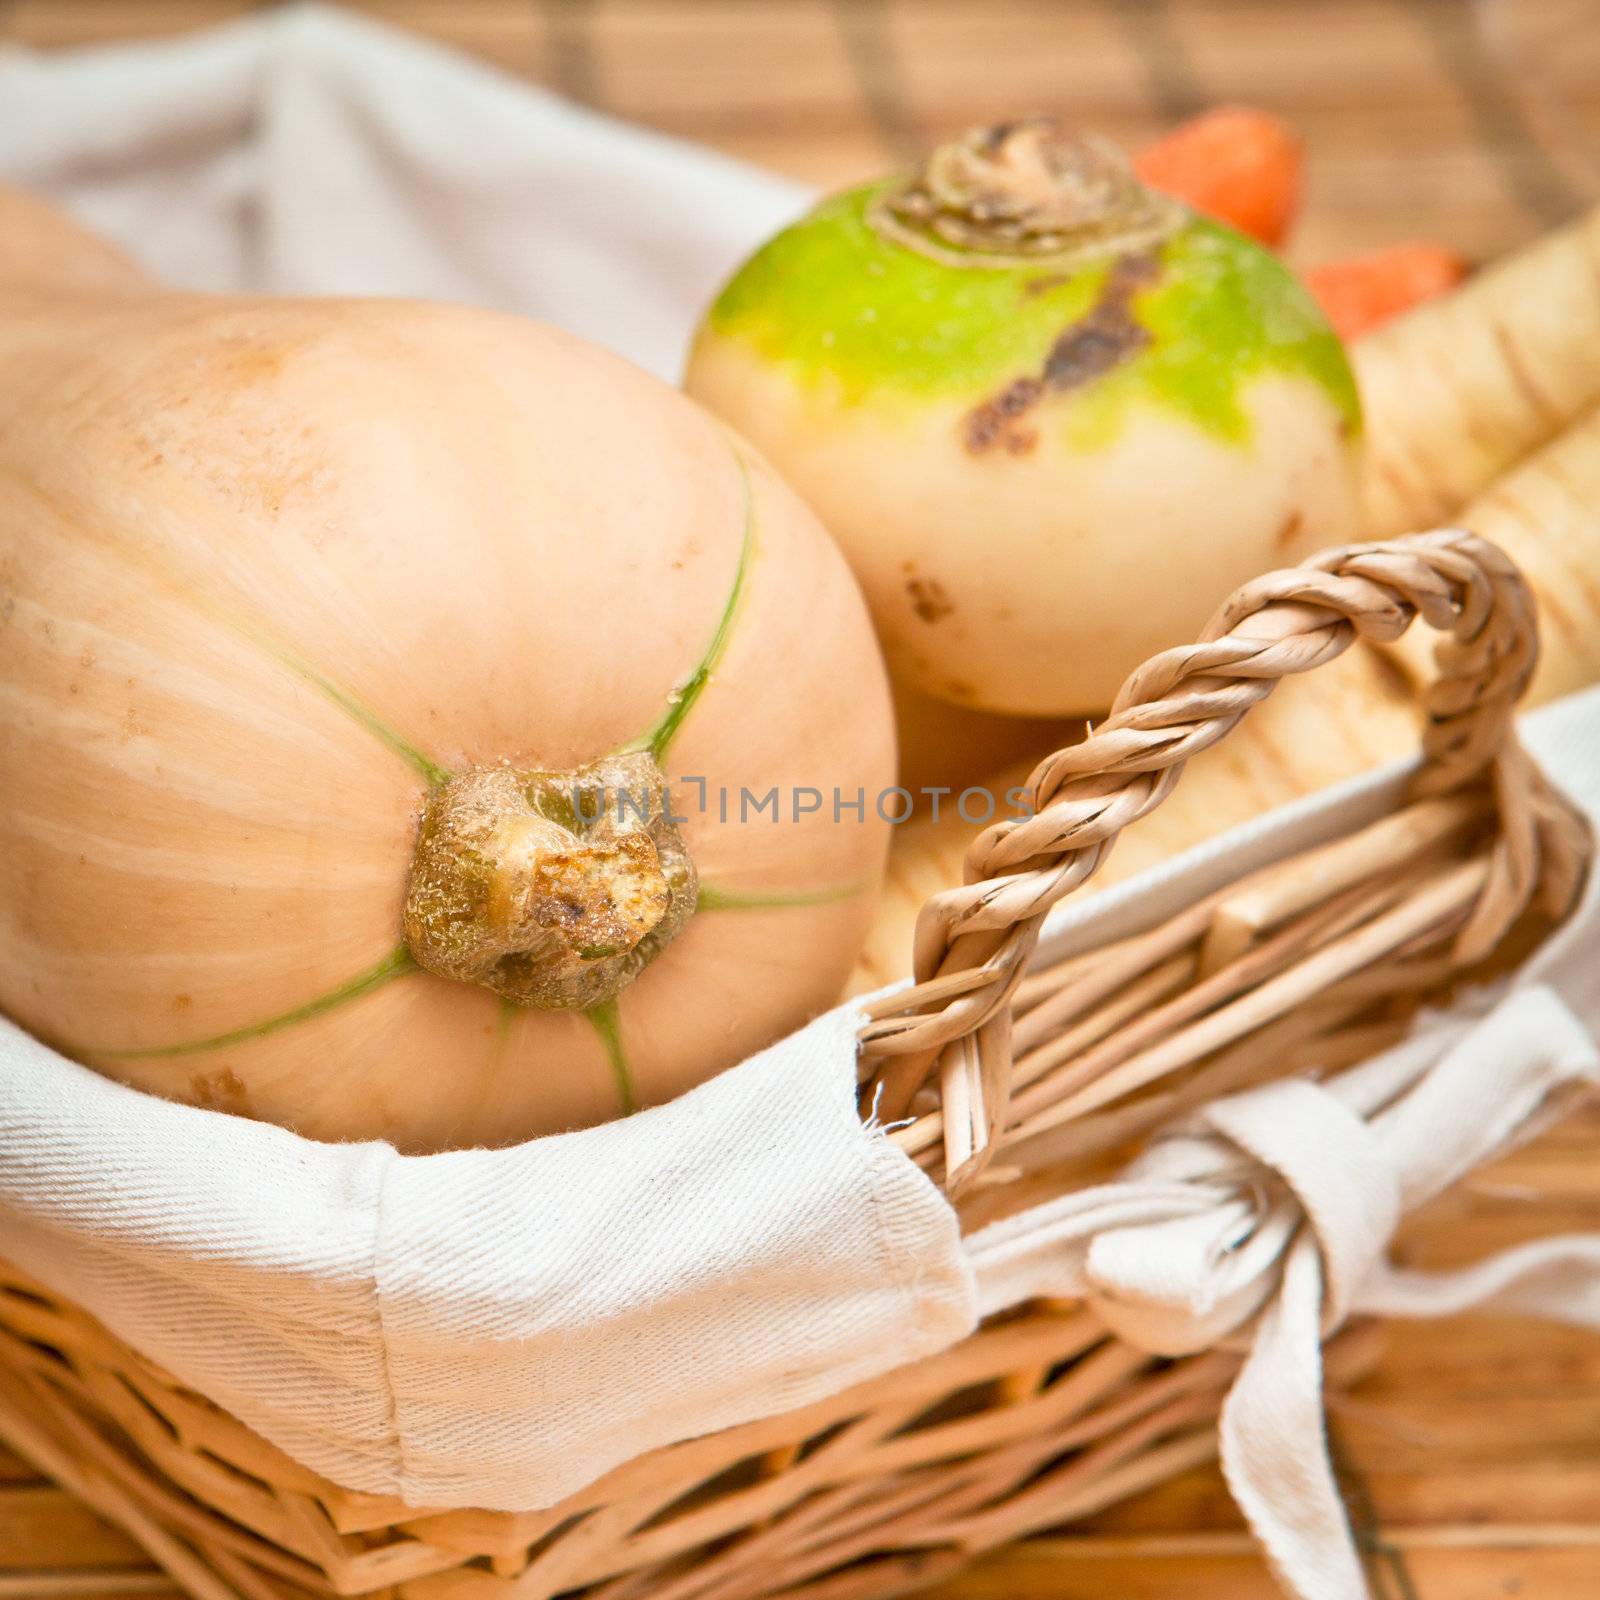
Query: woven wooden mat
(1471,1458)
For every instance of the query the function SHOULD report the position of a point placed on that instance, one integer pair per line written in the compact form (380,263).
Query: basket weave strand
(973,942)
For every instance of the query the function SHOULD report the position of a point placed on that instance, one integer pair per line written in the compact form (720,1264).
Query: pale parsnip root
(1462,388)
(1314,730)
(1545,514)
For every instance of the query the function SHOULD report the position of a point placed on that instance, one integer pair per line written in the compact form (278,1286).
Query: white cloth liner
(492,1328)
(498,1328)
(1269,1213)
(305,150)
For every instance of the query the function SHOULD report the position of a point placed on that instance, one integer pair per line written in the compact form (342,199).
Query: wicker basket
(1013,1079)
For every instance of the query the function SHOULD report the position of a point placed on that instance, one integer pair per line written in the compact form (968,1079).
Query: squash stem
(552,889)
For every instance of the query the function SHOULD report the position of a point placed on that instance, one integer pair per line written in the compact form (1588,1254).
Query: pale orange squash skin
(501,542)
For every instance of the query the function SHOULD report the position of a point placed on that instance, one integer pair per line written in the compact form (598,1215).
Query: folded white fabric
(491,1328)
(308,151)
(1263,1221)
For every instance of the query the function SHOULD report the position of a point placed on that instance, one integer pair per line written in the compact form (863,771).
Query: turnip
(1048,412)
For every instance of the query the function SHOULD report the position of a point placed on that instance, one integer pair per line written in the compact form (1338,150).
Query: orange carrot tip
(1362,292)
(1242,166)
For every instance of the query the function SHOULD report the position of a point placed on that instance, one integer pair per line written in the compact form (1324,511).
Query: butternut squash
(380,684)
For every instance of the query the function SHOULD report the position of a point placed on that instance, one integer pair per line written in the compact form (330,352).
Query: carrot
(1362,292)
(1236,164)
(1465,386)
(1314,730)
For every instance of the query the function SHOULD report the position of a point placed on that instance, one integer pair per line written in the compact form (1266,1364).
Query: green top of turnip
(1018,268)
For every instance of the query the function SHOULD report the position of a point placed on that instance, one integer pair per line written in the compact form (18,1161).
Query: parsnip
(1314,730)
(1545,514)
(1464,387)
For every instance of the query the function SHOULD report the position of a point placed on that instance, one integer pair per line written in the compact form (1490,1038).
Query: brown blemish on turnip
(1104,338)
(988,423)
(929,599)
(1289,529)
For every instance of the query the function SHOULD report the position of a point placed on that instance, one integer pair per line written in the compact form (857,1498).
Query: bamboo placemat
(1472,1455)
(1474,123)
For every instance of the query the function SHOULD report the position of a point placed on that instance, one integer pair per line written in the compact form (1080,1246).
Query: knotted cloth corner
(1262,1222)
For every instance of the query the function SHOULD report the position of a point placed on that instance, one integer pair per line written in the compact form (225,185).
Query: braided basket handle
(973,942)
